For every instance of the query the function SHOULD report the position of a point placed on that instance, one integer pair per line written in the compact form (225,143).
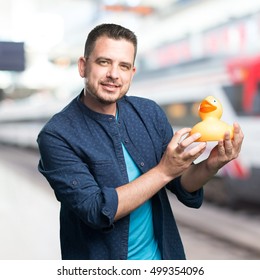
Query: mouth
(206,107)
(110,86)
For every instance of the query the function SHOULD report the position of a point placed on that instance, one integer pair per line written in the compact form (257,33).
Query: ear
(134,70)
(82,66)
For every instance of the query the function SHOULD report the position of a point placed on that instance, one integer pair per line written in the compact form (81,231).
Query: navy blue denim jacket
(82,159)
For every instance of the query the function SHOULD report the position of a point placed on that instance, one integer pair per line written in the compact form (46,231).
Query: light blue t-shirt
(141,241)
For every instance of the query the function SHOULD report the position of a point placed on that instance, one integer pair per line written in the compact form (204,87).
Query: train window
(182,114)
(235,95)
(256,101)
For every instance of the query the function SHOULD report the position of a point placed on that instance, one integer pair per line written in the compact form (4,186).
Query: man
(110,158)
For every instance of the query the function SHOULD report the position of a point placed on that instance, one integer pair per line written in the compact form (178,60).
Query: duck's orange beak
(206,107)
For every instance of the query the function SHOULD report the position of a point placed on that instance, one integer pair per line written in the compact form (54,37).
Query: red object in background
(141,10)
(246,71)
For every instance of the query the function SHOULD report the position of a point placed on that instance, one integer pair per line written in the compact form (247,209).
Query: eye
(125,67)
(103,62)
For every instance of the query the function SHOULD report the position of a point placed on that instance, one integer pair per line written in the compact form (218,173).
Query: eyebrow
(109,59)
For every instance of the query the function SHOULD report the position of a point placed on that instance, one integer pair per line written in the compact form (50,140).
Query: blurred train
(178,90)
(236,83)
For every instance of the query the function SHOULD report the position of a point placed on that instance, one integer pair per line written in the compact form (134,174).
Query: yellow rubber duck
(211,127)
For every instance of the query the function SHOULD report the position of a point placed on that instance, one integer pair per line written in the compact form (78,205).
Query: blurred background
(188,49)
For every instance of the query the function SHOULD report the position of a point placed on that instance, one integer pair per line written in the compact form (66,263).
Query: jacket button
(142,163)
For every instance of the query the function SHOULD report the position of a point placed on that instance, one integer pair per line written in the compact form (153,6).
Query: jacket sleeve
(194,199)
(73,183)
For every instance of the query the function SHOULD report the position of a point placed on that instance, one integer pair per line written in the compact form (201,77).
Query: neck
(97,106)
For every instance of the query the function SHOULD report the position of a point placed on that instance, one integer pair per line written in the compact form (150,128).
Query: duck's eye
(214,100)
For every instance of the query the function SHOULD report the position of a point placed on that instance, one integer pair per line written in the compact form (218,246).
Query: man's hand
(179,154)
(196,175)
(226,150)
(174,162)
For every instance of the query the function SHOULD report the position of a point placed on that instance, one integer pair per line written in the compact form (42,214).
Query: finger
(192,138)
(179,134)
(238,134)
(195,152)
(198,149)
(188,141)
(227,136)
(238,138)
(228,147)
(221,148)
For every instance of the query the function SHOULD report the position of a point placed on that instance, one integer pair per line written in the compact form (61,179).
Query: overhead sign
(12,56)
(141,10)
(240,36)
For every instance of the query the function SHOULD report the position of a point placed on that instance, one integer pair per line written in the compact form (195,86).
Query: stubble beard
(96,95)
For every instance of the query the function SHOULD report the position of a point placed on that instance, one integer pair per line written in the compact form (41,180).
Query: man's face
(108,71)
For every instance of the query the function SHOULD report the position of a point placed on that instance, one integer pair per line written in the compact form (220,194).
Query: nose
(113,72)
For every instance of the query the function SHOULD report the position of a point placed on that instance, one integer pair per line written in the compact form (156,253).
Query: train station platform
(29,218)
(29,215)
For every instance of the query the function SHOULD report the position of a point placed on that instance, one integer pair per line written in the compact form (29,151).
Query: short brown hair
(110,30)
